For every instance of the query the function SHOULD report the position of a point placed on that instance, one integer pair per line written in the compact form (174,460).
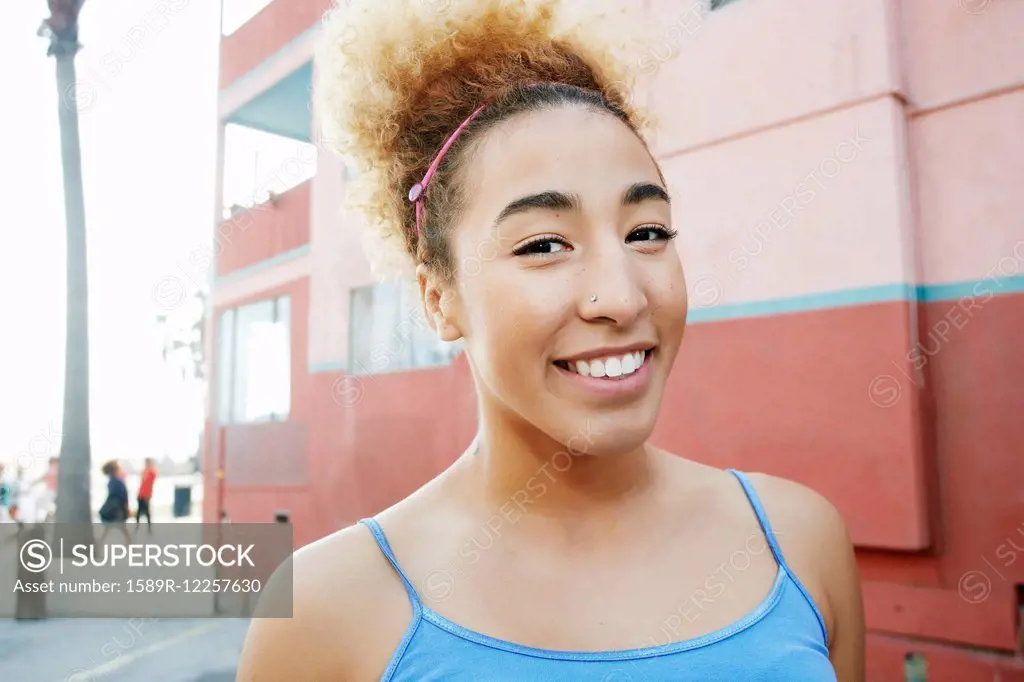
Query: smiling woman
(487,124)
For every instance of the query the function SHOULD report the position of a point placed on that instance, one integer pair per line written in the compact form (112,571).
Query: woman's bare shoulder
(804,515)
(348,611)
(814,540)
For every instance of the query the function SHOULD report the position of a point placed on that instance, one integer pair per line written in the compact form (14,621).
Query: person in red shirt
(146,494)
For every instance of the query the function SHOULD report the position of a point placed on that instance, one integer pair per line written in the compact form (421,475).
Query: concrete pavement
(121,650)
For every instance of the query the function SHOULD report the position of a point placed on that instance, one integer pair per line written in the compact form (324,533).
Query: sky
(148,125)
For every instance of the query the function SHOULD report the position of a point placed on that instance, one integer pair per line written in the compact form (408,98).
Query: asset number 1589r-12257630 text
(212,585)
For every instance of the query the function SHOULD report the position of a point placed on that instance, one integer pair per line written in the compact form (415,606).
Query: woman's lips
(617,375)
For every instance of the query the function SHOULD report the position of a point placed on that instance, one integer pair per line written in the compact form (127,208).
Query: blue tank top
(783,638)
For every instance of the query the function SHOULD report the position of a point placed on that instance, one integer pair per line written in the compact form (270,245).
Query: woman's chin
(597,435)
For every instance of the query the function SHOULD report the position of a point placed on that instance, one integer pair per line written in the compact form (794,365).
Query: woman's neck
(511,464)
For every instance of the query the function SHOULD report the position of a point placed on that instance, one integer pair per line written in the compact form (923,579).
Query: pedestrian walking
(145,495)
(114,512)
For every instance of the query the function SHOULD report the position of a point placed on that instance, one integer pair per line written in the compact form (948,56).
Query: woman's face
(569,294)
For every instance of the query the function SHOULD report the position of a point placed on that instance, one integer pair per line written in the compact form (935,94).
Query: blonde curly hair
(395,78)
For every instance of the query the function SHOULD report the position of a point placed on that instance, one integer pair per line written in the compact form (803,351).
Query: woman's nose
(612,290)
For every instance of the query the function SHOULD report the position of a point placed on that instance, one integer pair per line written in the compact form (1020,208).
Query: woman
(561,546)
(115,512)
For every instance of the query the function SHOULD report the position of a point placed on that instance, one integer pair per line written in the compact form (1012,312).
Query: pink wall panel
(820,205)
(969,171)
(724,73)
(962,49)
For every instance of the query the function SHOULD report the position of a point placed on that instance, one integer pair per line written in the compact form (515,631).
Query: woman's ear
(440,304)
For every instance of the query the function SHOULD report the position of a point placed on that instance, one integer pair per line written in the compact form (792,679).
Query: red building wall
(271,459)
(258,234)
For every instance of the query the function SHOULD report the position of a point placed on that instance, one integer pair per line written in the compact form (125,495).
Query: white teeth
(612,367)
(628,363)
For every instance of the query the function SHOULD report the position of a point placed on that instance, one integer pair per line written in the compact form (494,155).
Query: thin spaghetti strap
(769,534)
(762,516)
(385,548)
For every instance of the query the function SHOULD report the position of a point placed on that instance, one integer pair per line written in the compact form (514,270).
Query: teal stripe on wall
(980,288)
(888,293)
(852,297)
(795,304)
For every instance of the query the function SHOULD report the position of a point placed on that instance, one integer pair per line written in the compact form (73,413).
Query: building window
(254,362)
(719,4)
(259,166)
(387,332)
(236,13)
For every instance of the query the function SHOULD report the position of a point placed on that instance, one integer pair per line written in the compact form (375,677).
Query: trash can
(182,501)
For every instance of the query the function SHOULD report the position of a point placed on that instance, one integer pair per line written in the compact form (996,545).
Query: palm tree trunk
(75,457)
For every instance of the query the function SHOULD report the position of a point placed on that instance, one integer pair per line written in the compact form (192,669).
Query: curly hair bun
(394,78)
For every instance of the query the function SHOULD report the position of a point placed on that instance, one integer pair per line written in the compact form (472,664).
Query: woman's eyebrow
(544,201)
(553,200)
(644,191)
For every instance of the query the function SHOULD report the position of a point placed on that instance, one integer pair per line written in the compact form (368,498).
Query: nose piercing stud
(593,298)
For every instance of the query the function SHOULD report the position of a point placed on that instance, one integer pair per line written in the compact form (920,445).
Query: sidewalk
(121,650)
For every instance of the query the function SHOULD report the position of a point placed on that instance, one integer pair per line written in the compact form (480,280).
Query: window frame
(228,409)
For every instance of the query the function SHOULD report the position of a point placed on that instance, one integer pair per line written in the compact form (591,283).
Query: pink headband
(419,189)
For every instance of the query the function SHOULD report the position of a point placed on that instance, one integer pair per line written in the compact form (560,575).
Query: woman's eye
(650,233)
(542,247)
